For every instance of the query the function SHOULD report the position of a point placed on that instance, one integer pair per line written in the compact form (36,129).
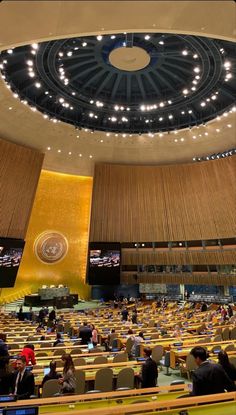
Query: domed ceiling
(125,83)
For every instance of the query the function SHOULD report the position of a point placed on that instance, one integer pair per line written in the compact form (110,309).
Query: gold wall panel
(62,205)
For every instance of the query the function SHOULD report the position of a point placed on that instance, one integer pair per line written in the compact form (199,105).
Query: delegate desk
(90,372)
(108,404)
(181,352)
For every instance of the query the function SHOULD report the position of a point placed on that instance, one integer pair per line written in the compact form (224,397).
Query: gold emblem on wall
(51,247)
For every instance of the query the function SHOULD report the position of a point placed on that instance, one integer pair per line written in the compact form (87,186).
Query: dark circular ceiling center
(127,83)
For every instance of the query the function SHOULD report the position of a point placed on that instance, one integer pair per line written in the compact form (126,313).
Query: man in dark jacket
(23,380)
(85,333)
(209,378)
(149,371)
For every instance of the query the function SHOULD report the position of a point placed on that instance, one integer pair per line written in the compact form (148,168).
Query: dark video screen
(11,252)
(104,263)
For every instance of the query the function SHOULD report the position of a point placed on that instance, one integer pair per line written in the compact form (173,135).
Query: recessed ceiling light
(182,139)
(185,52)
(101,141)
(185,91)
(10,51)
(59,151)
(161,42)
(176,140)
(147,37)
(10,108)
(195,56)
(90,156)
(35,46)
(70,53)
(69,153)
(38,85)
(80,155)
(113,37)
(229,125)
(48,148)
(99,38)
(217,130)
(197,69)
(84,44)
(194,137)
(203,104)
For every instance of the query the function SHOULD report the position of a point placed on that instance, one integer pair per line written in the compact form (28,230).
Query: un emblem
(51,247)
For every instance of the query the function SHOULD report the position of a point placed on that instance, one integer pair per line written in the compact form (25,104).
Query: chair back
(157,353)
(100,360)
(40,354)
(232,360)
(46,344)
(80,361)
(233,334)
(58,352)
(50,388)
(104,379)
(225,334)
(190,363)
(125,378)
(76,351)
(229,348)
(121,357)
(129,345)
(80,382)
(217,338)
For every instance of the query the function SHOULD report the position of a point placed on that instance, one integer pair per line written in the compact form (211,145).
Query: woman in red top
(28,352)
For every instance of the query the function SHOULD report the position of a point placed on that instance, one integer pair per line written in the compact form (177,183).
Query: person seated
(85,333)
(68,381)
(28,353)
(53,374)
(58,340)
(228,367)
(149,372)
(177,332)
(22,380)
(208,378)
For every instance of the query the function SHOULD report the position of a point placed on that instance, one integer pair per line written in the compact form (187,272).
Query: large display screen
(104,263)
(11,251)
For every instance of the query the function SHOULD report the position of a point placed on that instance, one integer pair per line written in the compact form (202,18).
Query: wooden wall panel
(195,279)
(179,258)
(164,203)
(19,173)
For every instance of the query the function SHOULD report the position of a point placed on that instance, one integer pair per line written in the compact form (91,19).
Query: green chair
(104,380)
(125,379)
(50,388)
(80,382)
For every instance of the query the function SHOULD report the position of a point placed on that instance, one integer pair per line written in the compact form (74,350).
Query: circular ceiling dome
(129,59)
(125,83)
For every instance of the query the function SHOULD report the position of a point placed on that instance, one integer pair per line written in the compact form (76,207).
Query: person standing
(209,378)
(85,333)
(28,353)
(149,372)
(94,335)
(124,314)
(23,380)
